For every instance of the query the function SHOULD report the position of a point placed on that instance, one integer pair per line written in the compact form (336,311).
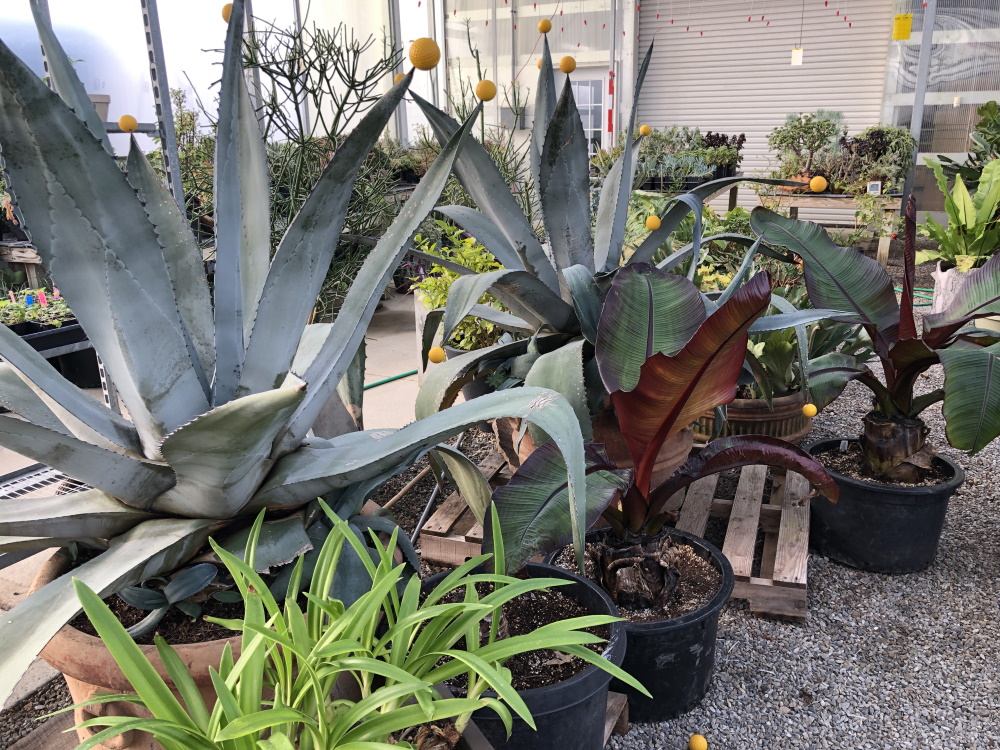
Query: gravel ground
(883,661)
(21,718)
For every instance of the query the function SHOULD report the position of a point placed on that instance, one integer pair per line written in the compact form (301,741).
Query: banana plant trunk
(638,570)
(895,447)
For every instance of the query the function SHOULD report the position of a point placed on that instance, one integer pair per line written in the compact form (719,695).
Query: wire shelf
(38,481)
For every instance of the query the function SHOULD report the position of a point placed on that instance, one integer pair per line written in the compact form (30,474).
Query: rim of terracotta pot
(66,648)
(760,404)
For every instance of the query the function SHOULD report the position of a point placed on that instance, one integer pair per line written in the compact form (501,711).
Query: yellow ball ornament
(539,63)
(645,130)
(652,223)
(128,124)
(399,77)
(227,10)
(810,410)
(545,26)
(697,742)
(818,184)
(436,355)
(567,64)
(486,91)
(424,53)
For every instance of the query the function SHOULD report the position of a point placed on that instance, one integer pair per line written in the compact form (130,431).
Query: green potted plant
(800,140)
(894,489)
(985,147)
(664,365)
(222,387)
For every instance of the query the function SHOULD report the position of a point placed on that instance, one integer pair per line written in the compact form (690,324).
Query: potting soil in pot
(849,463)
(176,627)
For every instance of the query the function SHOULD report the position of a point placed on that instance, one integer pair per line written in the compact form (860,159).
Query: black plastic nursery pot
(881,528)
(674,659)
(569,714)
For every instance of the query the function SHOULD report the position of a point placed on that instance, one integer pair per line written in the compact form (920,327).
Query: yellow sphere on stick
(697,742)
(486,90)
(539,63)
(436,355)
(128,124)
(399,77)
(567,64)
(545,26)
(424,53)
(652,223)
(818,184)
(227,10)
(645,130)
(810,410)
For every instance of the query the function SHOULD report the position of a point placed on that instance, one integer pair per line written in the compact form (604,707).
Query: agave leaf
(503,320)
(66,186)
(16,548)
(978,297)
(147,550)
(304,255)
(564,179)
(562,371)
(535,302)
(612,208)
(242,216)
(279,543)
(646,311)
(438,261)
(672,219)
(17,396)
(221,457)
(533,507)
(972,396)
(131,480)
(338,350)
(674,391)
(545,106)
(388,526)
(479,175)
(797,319)
(744,450)
(185,264)
(586,299)
(837,278)
(480,226)
(90,513)
(467,478)
(64,78)
(312,471)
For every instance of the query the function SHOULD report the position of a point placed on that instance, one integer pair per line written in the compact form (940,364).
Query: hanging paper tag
(902,26)
(797,55)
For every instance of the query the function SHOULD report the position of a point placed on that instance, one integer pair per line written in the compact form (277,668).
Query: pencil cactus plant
(221,387)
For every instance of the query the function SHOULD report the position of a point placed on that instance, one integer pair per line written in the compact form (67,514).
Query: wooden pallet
(453,535)
(780,588)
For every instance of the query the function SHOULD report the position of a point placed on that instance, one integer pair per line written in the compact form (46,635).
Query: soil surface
(698,583)
(176,627)
(524,615)
(849,463)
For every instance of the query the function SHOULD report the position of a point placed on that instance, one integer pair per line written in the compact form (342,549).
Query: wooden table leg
(733,192)
(793,212)
(885,239)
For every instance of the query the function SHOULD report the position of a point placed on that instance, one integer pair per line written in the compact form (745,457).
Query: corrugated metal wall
(730,75)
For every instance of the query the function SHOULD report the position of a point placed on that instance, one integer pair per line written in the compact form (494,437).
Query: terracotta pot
(89,669)
(673,453)
(751,416)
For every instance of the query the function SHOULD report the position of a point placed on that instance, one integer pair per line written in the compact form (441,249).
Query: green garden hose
(918,293)
(383,381)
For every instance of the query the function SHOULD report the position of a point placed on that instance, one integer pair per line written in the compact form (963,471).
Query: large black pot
(674,659)
(569,714)
(883,528)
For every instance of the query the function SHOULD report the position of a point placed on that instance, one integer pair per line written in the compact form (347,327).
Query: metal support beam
(920,88)
(161,100)
(396,35)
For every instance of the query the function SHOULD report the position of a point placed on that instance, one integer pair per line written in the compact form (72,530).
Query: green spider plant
(222,386)
(390,647)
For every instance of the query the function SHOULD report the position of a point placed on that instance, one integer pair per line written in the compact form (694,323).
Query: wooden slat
(742,534)
(771,535)
(19,255)
(447,550)
(475,534)
(51,735)
(792,556)
(445,516)
(698,505)
(776,601)
(616,716)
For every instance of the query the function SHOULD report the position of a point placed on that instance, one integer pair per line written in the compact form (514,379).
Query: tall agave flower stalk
(221,387)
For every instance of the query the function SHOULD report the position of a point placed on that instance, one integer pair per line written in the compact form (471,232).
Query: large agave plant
(221,387)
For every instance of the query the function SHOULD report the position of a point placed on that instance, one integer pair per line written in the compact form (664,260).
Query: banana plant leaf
(242,216)
(972,396)
(674,391)
(304,255)
(564,180)
(978,297)
(479,175)
(64,78)
(830,374)
(647,311)
(612,207)
(533,507)
(184,261)
(837,278)
(147,550)
(337,352)
(744,450)
(91,513)
(221,457)
(562,371)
